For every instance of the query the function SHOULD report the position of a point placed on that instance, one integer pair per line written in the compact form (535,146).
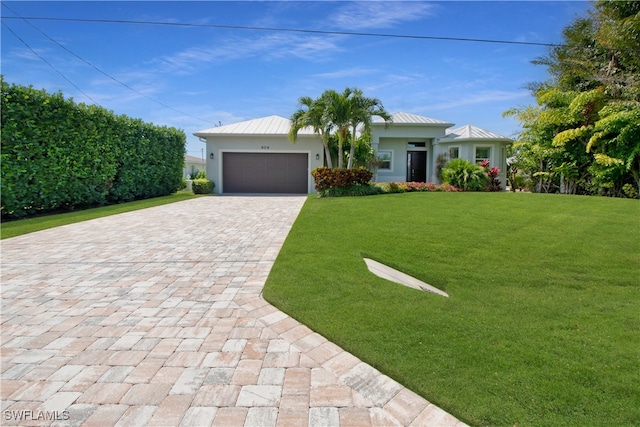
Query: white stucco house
(255,156)
(192,165)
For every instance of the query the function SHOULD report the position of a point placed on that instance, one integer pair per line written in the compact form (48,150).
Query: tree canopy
(583,136)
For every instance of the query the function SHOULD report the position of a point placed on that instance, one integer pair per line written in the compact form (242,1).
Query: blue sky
(211,75)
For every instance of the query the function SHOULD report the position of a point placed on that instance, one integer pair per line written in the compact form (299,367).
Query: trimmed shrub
(325,178)
(202,186)
(57,154)
(465,175)
(353,190)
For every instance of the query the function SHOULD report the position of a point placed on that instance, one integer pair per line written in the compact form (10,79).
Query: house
(412,147)
(192,165)
(256,156)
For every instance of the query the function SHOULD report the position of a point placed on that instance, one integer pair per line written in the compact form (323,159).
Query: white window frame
(390,168)
(449,152)
(477,159)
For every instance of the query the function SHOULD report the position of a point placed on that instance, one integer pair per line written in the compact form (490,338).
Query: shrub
(325,178)
(202,186)
(465,175)
(353,190)
(397,187)
(630,191)
(405,187)
(57,154)
(493,183)
(200,174)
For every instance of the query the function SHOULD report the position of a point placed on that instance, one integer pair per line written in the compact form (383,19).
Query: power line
(290,30)
(88,63)
(47,62)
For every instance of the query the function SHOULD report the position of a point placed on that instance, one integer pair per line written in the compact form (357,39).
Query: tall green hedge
(57,154)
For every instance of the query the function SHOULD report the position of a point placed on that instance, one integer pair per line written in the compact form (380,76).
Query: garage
(265,173)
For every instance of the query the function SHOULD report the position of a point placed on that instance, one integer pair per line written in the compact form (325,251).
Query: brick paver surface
(155,317)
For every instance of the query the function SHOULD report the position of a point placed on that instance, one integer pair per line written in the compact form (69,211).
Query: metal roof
(401,118)
(470,132)
(271,125)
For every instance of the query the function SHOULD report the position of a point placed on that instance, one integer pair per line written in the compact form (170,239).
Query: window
(417,144)
(385,158)
(483,153)
(454,152)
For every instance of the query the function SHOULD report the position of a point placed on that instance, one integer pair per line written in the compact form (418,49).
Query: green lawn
(29,225)
(542,326)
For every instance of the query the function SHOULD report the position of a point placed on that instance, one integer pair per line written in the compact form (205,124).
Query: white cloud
(271,46)
(347,72)
(399,85)
(27,54)
(379,14)
(482,97)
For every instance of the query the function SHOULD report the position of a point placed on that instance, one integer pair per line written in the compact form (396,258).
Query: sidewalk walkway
(155,317)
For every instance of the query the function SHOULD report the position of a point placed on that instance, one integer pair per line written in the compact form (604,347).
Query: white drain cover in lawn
(396,276)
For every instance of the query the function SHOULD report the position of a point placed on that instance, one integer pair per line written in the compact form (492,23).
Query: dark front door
(416,166)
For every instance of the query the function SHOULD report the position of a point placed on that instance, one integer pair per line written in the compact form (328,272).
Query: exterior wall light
(317,156)
(211,156)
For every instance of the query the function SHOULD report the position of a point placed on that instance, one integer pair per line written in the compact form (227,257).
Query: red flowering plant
(417,186)
(494,183)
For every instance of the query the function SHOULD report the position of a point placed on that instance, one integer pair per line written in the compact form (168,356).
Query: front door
(416,166)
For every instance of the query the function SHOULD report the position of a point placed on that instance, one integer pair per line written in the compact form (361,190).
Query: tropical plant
(362,111)
(493,183)
(339,114)
(311,114)
(584,134)
(441,161)
(465,175)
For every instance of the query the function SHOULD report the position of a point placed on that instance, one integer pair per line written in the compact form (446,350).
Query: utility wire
(91,65)
(48,63)
(290,30)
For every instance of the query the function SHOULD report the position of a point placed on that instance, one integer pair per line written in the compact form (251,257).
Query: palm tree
(333,111)
(337,113)
(362,110)
(312,114)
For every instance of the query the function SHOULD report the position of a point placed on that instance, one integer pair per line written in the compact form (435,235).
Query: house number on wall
(265,147)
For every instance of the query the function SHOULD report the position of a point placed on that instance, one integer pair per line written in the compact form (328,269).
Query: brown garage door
(265,173)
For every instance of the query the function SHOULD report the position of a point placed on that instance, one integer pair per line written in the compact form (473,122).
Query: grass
(29,225)
(542,326)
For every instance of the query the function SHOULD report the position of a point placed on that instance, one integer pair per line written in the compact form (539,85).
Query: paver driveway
(155,317)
